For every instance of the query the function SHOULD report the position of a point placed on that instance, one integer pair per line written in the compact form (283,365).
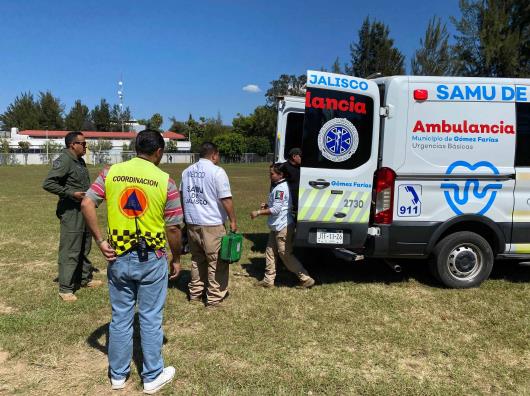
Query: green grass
(361,330)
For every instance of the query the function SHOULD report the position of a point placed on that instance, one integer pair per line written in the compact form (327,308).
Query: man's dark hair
(294,151)
(148,141)
(207,149)
(70,137)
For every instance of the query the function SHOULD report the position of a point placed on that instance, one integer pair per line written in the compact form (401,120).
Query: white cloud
(252,88)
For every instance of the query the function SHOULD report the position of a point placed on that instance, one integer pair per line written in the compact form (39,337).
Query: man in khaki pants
(207,201)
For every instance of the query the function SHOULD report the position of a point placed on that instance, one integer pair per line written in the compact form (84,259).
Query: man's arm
(54,182)
(224,194)
(229,207)
(174,238)
(173,219)
(88,208)
(276,207)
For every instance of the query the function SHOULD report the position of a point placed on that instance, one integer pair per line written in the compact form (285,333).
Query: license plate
(330,237)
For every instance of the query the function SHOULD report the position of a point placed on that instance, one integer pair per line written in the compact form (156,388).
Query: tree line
(492,40)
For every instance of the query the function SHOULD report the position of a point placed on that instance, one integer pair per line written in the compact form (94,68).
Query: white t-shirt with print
(203,186)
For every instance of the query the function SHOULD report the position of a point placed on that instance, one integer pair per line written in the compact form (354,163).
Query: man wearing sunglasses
(69,179)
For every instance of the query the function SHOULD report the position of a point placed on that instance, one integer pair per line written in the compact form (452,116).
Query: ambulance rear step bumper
(347,255)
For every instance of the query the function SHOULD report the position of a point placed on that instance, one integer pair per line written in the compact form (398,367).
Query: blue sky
(181,57)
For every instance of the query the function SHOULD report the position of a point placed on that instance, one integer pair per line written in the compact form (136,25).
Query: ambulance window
(522,151)
(327,139)
(293,132)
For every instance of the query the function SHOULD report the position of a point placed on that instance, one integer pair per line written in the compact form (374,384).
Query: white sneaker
(117,384)
(165,376)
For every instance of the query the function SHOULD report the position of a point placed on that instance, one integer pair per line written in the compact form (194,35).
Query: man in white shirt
(207,201)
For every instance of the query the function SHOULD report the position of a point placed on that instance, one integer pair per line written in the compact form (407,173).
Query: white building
(37,140)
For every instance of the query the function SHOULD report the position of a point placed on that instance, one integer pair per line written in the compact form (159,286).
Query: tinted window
(522,148)
(293,132)
(327,105)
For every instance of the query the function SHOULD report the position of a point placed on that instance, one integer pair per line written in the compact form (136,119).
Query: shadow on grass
(511,271)
(93,341)
(181,283)
(258,240)
(326,268)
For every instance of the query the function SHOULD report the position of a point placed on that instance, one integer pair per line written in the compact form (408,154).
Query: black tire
(462,260)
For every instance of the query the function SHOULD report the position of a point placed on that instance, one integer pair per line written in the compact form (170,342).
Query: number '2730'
(353,203)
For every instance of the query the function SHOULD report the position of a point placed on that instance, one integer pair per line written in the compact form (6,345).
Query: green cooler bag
(231,247)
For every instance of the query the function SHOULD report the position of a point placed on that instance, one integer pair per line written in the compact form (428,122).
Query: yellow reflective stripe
(349,210)
(319,206)
(522,247)
(307,204)
(521,215)
(366,216)
(522,176)
(357,210)
(332,208)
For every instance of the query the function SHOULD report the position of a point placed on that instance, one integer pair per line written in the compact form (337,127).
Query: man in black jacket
(293,169)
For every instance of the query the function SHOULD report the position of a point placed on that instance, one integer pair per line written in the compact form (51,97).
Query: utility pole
(47,146)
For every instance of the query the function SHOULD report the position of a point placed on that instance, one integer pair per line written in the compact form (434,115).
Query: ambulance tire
(462,260)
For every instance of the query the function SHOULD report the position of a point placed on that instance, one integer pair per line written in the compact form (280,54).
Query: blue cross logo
(338,140)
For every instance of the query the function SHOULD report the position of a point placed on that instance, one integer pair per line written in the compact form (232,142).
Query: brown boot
(69,297)
(307,284)
(265,284)
(93,283)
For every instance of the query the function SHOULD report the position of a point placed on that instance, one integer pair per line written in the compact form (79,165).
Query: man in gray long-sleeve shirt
(69,179)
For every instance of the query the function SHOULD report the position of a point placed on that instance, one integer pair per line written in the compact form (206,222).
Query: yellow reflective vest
(136,193)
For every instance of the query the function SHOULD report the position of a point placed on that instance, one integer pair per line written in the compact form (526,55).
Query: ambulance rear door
(290,126)
(339,158)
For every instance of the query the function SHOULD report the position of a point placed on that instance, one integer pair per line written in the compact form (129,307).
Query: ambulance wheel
(462,260)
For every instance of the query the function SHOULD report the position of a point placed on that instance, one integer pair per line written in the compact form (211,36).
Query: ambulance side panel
(453,155)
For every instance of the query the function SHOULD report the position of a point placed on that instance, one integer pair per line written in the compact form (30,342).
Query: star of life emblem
(338,140)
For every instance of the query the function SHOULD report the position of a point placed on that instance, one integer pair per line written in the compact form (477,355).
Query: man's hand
(233,226)
(107,250)
(254,214)
(174,270)
(79,195)
(263,205)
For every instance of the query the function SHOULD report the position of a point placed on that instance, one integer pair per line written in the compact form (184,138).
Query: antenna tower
(120,98)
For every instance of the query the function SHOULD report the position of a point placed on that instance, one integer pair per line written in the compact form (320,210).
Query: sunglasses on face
(81,143)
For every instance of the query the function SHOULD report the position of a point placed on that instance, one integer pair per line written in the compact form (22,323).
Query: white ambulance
(413,167)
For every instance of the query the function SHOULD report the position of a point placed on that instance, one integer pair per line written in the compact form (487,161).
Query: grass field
(361,330)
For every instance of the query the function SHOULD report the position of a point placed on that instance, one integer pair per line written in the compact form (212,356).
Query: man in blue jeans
(143,213)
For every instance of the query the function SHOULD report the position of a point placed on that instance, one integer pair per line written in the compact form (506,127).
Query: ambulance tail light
(384,195)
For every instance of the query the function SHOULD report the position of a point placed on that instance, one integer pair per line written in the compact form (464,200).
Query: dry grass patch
(6,309)
(80,372)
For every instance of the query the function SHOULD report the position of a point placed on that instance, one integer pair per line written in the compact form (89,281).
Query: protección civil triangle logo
(338,139)
(475,196)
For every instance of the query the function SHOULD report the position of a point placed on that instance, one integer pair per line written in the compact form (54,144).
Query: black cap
(295,151)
